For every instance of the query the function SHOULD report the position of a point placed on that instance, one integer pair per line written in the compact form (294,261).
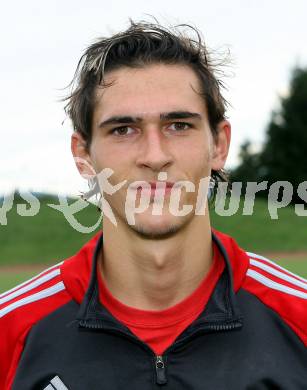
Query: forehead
(149,91)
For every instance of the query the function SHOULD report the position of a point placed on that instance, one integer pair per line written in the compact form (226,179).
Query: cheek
(198,162)
(103,157)
(119,171)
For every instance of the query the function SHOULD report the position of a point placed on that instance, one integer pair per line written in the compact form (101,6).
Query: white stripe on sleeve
(255,256)
(30,286)
(33,298)
(29,280)
(279,274)
(274,285)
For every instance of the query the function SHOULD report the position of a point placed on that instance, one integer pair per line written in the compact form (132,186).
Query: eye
(121,131)
(180,126)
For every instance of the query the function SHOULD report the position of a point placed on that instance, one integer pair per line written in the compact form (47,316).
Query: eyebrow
(180,115)
(125,119)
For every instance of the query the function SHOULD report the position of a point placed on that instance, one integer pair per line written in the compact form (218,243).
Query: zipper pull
(160,371)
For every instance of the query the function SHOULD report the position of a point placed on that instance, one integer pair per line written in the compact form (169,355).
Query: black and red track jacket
(252,334)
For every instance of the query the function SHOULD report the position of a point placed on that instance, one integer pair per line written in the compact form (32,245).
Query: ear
(81,156)
(221,143)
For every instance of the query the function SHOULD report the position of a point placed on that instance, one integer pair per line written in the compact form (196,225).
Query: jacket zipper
(161,378)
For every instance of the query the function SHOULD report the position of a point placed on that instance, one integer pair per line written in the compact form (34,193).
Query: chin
(158,227)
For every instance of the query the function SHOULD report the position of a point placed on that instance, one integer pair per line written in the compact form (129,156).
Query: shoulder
(30,296)
(22,307)
(279,289)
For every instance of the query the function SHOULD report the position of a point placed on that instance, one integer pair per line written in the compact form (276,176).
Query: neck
(155,274)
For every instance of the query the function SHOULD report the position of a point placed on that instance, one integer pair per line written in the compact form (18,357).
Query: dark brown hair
(140,45)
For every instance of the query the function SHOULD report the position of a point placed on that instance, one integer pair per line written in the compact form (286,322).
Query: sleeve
(281,290)
(20,309)
(11,345)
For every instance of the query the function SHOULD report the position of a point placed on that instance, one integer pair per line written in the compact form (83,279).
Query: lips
(156,189)
(155,185)
(161,185)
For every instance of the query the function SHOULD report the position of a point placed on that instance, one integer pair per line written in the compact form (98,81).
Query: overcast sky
(41,43)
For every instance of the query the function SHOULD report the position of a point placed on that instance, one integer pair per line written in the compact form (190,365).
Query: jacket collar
(221,310)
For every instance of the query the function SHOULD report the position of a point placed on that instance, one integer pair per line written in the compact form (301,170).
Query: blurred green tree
(284,154)
(249,164)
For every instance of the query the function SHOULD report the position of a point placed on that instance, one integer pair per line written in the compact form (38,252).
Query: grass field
(259,233)
(9,280)
(299,267)
(48,238)
(44,238)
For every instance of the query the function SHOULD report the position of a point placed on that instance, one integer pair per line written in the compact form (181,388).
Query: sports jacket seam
(245,276)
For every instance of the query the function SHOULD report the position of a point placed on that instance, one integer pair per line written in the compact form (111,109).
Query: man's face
(152,120)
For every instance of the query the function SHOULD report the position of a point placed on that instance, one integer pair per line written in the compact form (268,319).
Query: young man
(159,300)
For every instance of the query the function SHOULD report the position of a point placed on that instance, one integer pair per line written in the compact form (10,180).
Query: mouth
(161,185)
(157,188)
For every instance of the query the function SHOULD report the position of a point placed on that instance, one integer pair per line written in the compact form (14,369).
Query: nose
(154,151)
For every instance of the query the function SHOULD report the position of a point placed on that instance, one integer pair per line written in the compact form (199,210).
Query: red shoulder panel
(20,309)
(279,289)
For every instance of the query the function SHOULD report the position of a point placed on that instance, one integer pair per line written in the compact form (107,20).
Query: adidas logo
(56,384)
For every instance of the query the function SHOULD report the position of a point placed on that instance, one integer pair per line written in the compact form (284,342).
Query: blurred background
(266,86)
